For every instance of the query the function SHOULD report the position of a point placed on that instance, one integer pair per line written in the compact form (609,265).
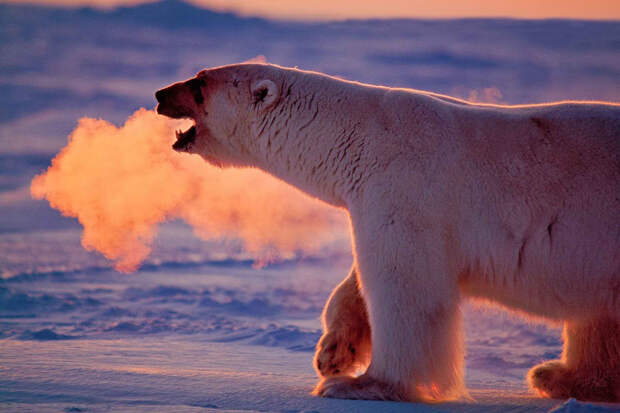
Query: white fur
(518,205)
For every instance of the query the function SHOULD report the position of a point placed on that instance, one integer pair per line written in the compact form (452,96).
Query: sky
(345,9)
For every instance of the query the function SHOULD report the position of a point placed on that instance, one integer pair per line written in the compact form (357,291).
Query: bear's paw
(555,380)
(360,388)
(336,355)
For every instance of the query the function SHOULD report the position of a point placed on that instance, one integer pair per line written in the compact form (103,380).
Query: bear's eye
(195,86)
(260,95)
(235,83)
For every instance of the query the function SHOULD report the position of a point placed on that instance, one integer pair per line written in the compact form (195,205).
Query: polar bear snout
(182,100)
(175,101)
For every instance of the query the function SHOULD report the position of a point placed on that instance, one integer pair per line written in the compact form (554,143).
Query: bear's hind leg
(345,344)
(590,365)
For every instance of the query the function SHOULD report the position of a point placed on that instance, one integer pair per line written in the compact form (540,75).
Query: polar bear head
(227,104)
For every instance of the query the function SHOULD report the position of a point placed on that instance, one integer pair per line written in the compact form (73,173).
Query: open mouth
(175,103)
(185,139)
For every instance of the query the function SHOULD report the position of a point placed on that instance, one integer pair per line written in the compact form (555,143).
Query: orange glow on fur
(120,183)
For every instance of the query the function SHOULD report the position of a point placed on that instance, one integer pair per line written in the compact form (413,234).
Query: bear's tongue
(184,139)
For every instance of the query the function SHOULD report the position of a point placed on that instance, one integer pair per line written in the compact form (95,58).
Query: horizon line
(327,11)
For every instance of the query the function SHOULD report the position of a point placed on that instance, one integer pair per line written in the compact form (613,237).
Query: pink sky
(342,9)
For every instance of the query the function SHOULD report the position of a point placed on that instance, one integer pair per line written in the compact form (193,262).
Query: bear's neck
(306,141)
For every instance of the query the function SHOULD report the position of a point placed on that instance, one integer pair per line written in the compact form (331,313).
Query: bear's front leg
(413,309)
(345,344)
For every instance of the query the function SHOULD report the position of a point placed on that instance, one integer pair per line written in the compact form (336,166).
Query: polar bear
(516,205)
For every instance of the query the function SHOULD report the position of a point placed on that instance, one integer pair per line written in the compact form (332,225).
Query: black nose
(169,93)
(160,95)
(174,101)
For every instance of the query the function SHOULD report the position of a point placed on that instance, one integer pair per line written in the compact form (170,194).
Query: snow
(213,336)
(198,328)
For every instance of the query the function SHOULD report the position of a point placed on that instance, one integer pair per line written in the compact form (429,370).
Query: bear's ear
(265,93)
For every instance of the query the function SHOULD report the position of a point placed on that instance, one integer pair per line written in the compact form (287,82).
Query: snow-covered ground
(206,334)
(196,333)
(198,328)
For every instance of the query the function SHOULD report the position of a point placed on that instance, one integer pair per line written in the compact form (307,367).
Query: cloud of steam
(120,183)
(484,95)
